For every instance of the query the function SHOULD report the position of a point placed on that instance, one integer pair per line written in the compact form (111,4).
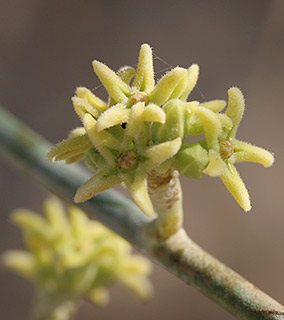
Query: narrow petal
(216,166)
(179,89)
(96,102)
(235,109)
(115,86)
(79,131)
(76,158)
(161,152)
(81,107)
(236,187)
(21,262)
(97,184)
(135,123)
(247,152)
(113,116)
(212,127)
(193,72)
(99,139)
(99,296)
(55,213)
(144,80)
(32,222)
(154,113)
(139,192)
(126,73)
(166,86)
(70,147)
(140,286)
(78,222)
(214,105)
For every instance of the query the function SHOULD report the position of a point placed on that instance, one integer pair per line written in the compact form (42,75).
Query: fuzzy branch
(178,254)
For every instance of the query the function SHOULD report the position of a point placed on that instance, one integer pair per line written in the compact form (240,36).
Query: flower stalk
(178,254)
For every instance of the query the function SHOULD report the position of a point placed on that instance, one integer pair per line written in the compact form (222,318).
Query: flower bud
(191,160)
(174,126)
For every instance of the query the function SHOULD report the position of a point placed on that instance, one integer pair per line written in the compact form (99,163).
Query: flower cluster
(74,257)
(142,130)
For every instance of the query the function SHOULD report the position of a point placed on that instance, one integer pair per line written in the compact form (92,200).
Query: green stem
(166,195)
(48,307)
(178,254)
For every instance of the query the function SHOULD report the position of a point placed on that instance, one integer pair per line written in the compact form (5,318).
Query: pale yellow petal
(161,152)
(167,85)
(79,131)
(96,102)
(236,187)
(214,105)
(55,213)
(135,123)
(211,125)
(69,148)
(117,114)
(140,286)
(193,73)
(235,109)
(99,139)
(99,296)
(144,80)
(248,152)
(216,166)
(21,262)
(82,106)
(115,86)
(139,192)
(126,73)
(154,113)
(97,184)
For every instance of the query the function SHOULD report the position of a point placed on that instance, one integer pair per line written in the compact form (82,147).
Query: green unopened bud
(191,160)
(174,126)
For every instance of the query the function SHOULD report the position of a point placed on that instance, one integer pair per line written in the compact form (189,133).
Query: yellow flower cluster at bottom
(74,256)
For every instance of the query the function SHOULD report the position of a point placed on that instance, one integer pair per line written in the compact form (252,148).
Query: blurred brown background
(46,51)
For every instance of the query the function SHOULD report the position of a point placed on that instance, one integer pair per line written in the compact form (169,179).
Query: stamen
(226,149)
(127,159)
(139,96)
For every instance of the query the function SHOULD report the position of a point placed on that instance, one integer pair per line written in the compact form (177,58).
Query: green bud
(191,160)
(174,126)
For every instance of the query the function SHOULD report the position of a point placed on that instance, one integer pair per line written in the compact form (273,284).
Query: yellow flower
(74,257)
(225,149)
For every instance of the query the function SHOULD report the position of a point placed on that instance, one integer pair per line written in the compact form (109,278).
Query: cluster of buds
(140,133)
(72,257)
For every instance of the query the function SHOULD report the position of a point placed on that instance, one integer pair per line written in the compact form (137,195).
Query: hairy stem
(166,195)
(178,254)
